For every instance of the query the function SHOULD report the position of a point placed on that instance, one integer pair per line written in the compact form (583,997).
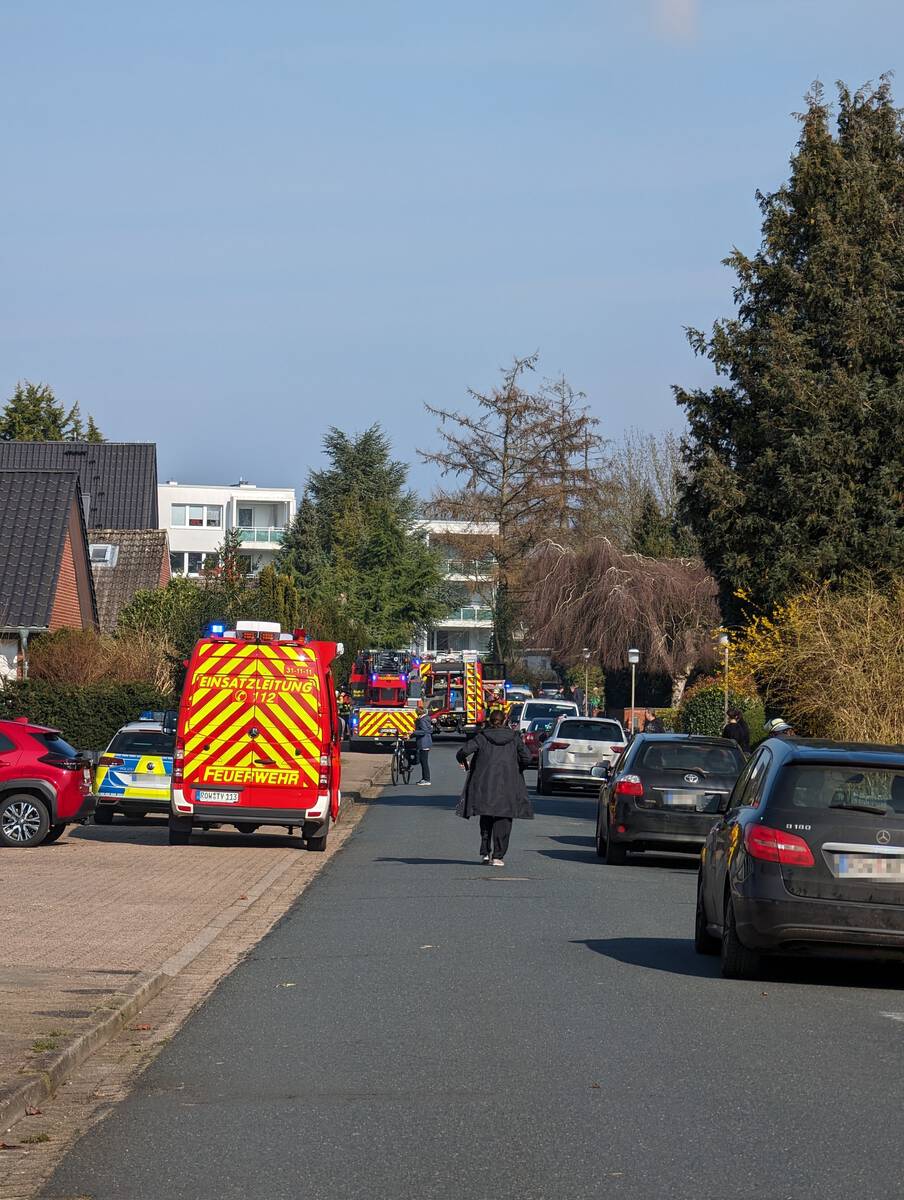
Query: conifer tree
(794,459)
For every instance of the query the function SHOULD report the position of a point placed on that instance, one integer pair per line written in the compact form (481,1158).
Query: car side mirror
(601,771)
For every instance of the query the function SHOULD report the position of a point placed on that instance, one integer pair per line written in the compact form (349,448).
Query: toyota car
(808,857)
(664,793)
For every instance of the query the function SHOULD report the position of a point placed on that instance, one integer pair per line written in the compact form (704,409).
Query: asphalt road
(423,1026)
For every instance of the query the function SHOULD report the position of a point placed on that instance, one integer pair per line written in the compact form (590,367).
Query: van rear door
(252,726)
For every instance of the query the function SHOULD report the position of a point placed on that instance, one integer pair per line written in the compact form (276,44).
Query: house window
(196,515)
(246,518)
(103,555)
(177,562)
(195,562)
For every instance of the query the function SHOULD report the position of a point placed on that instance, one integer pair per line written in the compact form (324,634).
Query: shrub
(669,718)
(832,662)
(87,716)
(703,710)
(81,656)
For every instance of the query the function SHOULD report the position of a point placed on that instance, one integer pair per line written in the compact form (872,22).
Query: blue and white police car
(134,773)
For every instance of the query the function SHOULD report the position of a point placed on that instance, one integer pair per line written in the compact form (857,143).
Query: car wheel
(317,844)
(704,942)
(24,821)
(542,789)
(616,852)
(600,840)
(55,832)
(103,814)
(738,960)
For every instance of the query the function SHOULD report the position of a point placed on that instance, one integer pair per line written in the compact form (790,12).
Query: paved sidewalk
(99,922)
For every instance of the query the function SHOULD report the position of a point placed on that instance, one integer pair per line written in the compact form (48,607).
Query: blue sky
(226,226)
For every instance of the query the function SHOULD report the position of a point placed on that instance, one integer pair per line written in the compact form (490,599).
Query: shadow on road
(433,862)
(676,956)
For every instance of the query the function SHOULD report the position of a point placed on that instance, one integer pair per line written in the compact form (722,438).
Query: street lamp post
(633,659)
(586,654)
(724,642)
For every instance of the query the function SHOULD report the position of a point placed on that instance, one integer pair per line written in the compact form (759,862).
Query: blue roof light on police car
(215,629)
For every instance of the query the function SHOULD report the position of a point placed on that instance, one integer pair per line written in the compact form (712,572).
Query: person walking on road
(495,790)
(737,729)
(423,735)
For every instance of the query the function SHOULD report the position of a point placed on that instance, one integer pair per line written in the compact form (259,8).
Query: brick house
(46,581)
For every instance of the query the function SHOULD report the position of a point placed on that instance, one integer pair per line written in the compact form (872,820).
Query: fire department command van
(258,735)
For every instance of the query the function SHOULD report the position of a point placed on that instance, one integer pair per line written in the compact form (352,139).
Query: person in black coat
(737,729)
(495,790)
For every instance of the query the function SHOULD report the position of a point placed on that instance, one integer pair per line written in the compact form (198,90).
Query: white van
(546,708)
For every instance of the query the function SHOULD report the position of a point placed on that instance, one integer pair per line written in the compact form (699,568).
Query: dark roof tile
(118,479)
(141,554)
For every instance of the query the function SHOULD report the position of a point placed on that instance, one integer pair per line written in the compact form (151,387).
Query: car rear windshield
(685,756)
(532,710)
(541,724)
(591,731)
(818,785)
(515,712)
(142,741)
(52,743)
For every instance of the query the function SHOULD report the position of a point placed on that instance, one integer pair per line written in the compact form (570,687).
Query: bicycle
(401,762)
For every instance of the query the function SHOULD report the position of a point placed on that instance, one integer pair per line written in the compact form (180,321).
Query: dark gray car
(665,793)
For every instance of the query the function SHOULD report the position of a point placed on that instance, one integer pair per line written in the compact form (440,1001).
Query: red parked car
(535,735)
(45,785)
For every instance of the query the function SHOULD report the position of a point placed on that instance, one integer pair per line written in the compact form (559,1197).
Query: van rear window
(591,731)
(878,790)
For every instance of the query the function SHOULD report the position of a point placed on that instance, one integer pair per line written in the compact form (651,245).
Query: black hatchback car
(664,793)
(808,857)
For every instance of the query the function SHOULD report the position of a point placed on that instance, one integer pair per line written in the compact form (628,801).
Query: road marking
(893,1016)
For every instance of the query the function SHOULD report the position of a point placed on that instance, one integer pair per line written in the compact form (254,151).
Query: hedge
(703,711)
(87,716)
(669,718)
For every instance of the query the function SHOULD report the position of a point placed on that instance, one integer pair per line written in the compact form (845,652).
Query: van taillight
(324,771)
(558,745)
(774,845)
(178,760)
(629,785)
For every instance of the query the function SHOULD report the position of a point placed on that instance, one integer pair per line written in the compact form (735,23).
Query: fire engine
(384,686)
(460,689)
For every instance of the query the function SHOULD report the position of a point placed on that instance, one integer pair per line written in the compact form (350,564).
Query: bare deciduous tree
(526,460)
(607,599)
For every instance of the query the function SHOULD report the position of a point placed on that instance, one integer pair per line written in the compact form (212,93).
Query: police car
(134,773)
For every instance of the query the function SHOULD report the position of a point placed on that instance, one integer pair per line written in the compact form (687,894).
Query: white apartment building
(196,517)
(470,626)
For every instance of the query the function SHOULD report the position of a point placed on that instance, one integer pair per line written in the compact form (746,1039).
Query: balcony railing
(262,534)
(471,568)
(470,613)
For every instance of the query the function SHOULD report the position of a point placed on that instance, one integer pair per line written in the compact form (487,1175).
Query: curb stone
(55,1068)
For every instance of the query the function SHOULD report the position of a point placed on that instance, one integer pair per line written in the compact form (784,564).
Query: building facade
(196,517)
(471,571)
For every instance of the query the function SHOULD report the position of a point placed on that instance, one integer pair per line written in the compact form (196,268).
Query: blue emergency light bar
(215,629)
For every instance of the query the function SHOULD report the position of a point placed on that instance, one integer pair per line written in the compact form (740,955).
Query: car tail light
(629,785)
(111,760)
(558,745)
(62,763)
(616,749)
(178,761)
(774,845)
(324,771)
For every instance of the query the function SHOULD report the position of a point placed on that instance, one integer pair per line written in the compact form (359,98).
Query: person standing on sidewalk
(495,790)
(423,735)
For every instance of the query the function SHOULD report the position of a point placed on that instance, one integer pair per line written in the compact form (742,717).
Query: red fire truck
(384,686)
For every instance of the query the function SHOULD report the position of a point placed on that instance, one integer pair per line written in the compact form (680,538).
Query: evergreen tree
(795,460)
(658,534)
(33,414)
(363,573)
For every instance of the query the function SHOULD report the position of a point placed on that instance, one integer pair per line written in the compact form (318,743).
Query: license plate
(217,797)
(867,866)
(389,731)
(682,799)
(160,783)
